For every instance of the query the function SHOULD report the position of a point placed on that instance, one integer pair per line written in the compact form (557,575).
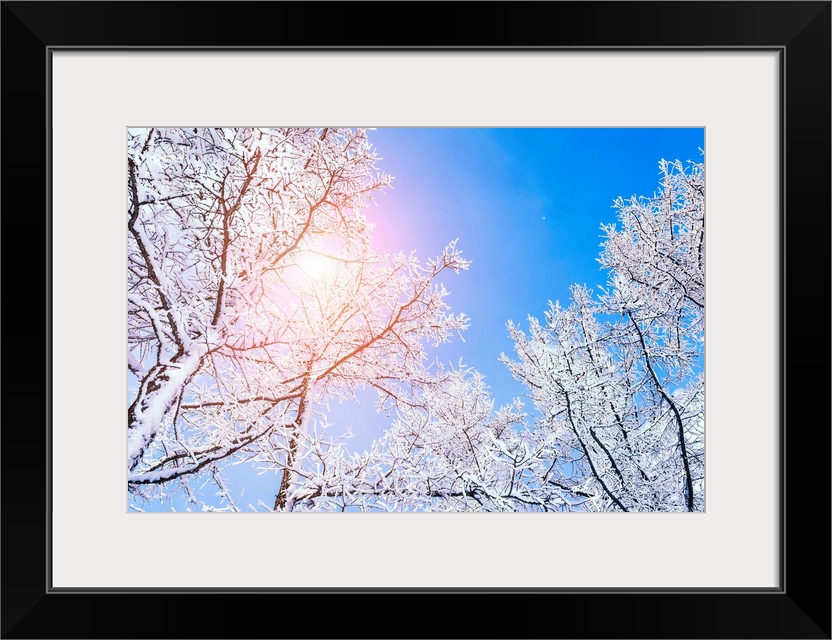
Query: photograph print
(415,319)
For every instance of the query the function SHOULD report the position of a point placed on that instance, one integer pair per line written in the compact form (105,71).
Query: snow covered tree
(448,450)
(617,379)
(255,296)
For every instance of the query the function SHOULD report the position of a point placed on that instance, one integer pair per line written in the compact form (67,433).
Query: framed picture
(346,375)
(754,77)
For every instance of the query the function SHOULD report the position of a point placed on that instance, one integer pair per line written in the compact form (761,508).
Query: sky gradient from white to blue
(526,205)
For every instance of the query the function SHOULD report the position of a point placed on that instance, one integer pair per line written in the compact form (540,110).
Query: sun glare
(314,265)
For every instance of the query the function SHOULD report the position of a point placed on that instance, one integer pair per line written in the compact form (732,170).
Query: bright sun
(313,265)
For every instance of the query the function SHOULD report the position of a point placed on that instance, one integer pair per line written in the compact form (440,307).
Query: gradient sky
(526,205)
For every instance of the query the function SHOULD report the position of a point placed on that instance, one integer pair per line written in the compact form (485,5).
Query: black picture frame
(798,608)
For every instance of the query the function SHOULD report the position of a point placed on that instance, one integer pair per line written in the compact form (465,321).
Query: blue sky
(526,205)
